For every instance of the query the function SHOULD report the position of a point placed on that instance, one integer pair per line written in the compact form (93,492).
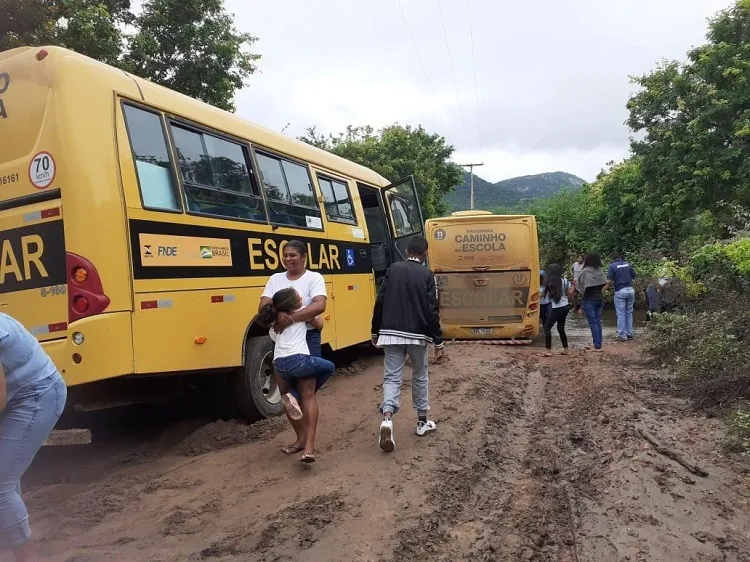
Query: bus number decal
(54,291)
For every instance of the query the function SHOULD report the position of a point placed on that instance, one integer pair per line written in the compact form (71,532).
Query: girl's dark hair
(592,260)
(553,282)
(297,245)
(285,300)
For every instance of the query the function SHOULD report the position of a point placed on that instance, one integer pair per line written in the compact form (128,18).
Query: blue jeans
(593,311)
(624,301)
(295,367)
(313,344)
(25,423)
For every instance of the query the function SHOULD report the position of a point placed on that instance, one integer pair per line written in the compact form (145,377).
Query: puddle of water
(579,334)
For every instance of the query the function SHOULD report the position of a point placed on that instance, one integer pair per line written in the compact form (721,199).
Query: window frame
(338,219)
(260,149)
(194,127)
(176,184)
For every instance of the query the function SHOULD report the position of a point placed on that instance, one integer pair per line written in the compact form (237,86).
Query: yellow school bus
(139,227)
(487,274)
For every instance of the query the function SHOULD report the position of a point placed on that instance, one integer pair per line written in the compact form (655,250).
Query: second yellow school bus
(487,274)
(139,226)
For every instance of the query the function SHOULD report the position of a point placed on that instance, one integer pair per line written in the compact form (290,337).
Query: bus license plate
(482,331)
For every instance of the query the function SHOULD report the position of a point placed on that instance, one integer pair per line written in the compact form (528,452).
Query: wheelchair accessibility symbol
(349,257)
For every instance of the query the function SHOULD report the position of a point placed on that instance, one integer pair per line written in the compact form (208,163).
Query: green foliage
(708,351)
(398,151)
(696,120)
(187,45)
(191,46)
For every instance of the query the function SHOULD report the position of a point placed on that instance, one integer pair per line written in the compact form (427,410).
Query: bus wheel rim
(268,386)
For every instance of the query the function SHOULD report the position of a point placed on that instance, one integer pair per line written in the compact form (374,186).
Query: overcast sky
(552,76)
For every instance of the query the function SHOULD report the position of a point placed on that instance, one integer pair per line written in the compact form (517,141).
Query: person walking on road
(32,398)
(576,269)
(591,283)
(311,286)
(622,274)
(405,321)
(544,304)
(556,290)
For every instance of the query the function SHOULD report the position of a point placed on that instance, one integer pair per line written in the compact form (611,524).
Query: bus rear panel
(487,274)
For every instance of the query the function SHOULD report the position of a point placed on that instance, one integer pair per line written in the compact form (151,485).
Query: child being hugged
(297,368)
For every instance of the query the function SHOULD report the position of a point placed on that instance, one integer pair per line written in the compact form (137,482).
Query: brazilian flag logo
(206,252)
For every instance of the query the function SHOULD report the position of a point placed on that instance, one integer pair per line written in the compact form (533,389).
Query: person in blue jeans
(591,284)
(32,398)
(621,273)
(296,367)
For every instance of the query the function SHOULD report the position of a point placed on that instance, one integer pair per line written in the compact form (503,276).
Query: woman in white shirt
(295,366)
(312,288)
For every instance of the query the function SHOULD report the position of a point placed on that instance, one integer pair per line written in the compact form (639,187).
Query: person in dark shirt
(590,285)
(406,319)
(622,274)
(653,295)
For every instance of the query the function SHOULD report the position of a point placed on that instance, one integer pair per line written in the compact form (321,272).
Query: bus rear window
(152,161)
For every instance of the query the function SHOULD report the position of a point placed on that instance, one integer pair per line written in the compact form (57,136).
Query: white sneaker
(424,428)
(385,438)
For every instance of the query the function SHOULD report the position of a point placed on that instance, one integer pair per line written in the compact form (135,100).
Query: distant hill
(511,192)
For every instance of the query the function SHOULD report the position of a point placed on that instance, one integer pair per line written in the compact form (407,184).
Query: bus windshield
(404,207)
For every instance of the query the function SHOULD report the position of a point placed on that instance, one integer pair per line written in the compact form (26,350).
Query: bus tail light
(533,306)
(85,292)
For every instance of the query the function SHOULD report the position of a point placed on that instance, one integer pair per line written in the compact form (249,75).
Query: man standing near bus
(406,319)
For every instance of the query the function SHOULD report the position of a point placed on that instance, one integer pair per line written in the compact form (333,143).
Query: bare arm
(315,308)
(317,322)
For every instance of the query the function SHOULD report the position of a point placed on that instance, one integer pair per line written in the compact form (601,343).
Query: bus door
(404,215)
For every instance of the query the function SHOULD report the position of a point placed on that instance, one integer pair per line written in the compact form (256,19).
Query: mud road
(534,459)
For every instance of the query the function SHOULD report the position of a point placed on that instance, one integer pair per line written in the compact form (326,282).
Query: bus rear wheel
(257,393)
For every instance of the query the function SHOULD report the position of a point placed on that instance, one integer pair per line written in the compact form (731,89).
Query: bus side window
(338,202)
(289,192)
(216,176)
(151,157)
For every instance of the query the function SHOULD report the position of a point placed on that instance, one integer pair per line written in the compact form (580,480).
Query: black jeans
(556,316)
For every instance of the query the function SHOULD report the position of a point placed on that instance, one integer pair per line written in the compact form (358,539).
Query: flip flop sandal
(291,449)
(307,458)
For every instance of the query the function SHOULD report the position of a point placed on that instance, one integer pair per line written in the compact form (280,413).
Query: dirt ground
(534,459)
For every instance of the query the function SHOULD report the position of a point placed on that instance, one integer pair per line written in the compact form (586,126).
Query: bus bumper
(106,350)
(529,329)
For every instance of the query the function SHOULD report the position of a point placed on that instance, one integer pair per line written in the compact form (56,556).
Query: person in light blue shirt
(621,273)
(32,398)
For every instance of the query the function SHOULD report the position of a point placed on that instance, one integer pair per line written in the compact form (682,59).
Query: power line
(476,88)
(421,64)
(455,84)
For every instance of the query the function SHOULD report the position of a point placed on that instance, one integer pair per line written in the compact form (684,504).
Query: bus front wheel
(256,390)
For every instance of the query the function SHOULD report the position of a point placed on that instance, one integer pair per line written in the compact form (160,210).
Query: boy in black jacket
(405,321)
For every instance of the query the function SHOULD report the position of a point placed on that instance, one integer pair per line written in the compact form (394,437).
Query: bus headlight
(78,338)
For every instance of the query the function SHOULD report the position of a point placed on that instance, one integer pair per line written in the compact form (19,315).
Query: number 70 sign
(42,170)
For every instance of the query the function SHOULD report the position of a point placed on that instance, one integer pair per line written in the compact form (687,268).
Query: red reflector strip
(59,327)
(148,305)
(217,298)
(350,288)
(47,213)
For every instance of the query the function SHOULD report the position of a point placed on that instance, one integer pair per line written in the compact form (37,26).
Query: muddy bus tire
(255,387)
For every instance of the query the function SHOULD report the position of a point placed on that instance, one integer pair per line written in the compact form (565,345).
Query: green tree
(398,151)
(193,47)
(695,120)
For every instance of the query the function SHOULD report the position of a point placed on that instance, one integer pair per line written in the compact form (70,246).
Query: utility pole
(471,172)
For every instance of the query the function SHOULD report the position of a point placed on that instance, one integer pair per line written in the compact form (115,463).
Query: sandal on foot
(307,458)
(291,406)
(291,449)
